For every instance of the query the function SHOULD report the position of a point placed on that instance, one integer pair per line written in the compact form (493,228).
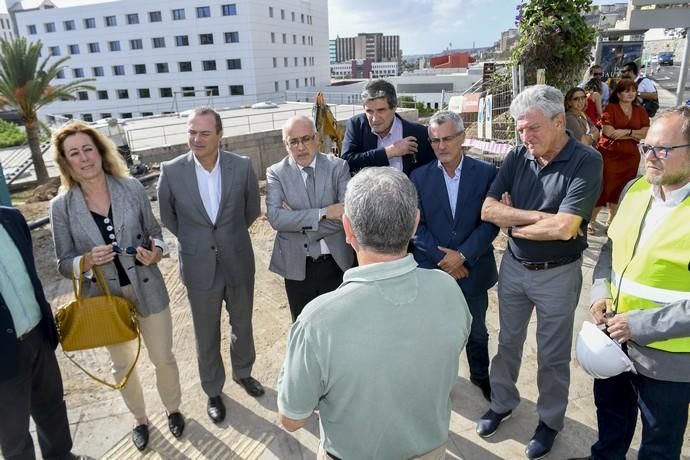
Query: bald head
(299,136)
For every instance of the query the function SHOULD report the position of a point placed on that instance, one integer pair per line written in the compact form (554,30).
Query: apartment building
(162,56)
(375,47)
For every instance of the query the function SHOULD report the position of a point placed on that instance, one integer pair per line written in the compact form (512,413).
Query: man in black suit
(380,137)
(30,381)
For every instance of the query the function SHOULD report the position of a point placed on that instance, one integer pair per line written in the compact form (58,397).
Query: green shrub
(10,134)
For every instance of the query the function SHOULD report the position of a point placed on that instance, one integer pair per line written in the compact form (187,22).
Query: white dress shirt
(322,242)
(660,209)
(209,184)
(452,184)
(394,135)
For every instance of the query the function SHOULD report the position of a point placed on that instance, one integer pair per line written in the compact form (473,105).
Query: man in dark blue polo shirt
(544,194)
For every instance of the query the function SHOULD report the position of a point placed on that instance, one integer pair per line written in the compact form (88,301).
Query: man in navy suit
(451,235)
(30,381)
(380,137)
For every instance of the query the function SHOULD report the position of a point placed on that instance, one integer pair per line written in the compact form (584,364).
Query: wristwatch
(322,213)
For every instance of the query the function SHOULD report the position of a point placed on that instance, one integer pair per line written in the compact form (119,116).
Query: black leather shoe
(488,424)
(140,436)
(216,409)
(176,424)
(483,385)
(251,386)
(541,443)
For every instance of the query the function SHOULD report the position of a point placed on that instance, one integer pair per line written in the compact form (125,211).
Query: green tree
(25,85)
(554,36)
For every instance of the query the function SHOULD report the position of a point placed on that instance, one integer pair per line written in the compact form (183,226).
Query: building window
(54,50)
(139,69)
(158,42)
(275,62)
(206,39)
(208,65)
(94,48)
(229,9)
(73,49)
(181,40)
(305,61)
(284,38)
(90,23)
(122,94)
(212,90)
(276,86)
(87,117)
(31,29)
(232,37)
(285,62)
(144,93)
(203,11)
(97,71)
(294,39)
(296,62)
(270,11)
(187,91)
(236,90)
(306,81)
(155,16)
(68,116)
(234,64)
(185,66)
(178,14)
(287,84)
(118,70)
(114,45)
(302,17)
(136,44)
(82,95)
(162,67)
(273,37)
(49,27)
(60,74)
(282,14)
(110,21)
(69,25)
(126,115)
(78,72)
(296,82)
(304,40)
(165,92)
(132,18)
(146,114)
(293,16)
(106,115)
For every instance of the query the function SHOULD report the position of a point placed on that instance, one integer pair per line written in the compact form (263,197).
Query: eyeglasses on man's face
(660,152)
(304,140)
(597,74)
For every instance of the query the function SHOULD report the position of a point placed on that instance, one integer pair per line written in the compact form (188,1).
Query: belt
(546,265)
(321,258)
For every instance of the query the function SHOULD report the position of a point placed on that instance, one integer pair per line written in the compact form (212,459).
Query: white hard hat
(599,355)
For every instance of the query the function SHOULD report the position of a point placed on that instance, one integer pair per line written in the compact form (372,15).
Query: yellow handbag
(92,322)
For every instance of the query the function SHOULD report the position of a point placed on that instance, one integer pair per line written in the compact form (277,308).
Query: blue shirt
(452,184)
(16,287)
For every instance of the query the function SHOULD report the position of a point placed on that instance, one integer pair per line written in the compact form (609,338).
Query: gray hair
(682,111)
(378,89)
(446,116)
(545,98)
(291,121)
(205,110)
(381,204)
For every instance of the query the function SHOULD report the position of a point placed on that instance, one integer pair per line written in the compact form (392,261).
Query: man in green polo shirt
(379,355)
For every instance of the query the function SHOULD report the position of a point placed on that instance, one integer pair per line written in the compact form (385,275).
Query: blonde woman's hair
(112,163)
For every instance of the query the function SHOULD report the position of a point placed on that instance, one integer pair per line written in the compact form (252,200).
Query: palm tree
(25,85)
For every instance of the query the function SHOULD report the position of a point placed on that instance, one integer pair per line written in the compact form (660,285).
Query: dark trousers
(477,347)
(35,391)
(663,409)
(322,275)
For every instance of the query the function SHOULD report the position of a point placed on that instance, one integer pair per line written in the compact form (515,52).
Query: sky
(424,26)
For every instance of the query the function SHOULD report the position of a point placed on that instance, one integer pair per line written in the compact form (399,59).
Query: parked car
(665,58)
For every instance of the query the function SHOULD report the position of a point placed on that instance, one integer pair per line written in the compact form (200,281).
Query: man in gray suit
(304,194)
(208,199)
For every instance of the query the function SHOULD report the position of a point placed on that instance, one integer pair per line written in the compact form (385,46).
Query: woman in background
(576,121)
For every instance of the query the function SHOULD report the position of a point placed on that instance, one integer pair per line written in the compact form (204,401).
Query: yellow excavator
(327,125)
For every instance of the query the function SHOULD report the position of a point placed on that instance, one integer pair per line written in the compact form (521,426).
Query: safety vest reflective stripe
(647,292)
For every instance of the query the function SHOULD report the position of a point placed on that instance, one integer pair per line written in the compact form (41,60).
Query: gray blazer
(75,232)
(300,224)
(202,244)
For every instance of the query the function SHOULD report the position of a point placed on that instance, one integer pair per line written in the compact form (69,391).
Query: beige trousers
(437,454)
(156,332)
